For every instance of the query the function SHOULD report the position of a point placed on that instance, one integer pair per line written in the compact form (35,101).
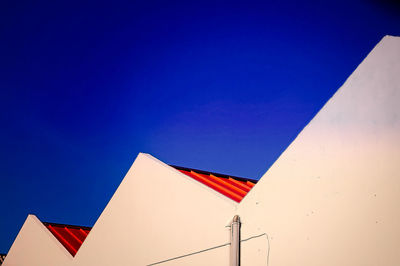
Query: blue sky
(218,86)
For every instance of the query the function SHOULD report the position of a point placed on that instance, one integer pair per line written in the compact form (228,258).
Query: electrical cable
(211,248)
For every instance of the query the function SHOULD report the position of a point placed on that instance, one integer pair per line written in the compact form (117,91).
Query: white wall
(36,246)
(332,198)
(158,213)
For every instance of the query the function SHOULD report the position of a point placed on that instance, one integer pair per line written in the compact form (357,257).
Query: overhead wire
(214,247)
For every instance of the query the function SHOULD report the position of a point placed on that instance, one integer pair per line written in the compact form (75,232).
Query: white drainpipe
(235,242)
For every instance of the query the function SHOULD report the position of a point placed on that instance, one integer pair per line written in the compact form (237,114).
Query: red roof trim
(254,181)
(70,236)
(235,188)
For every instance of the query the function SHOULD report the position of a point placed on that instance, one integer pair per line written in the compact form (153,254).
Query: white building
(330,199)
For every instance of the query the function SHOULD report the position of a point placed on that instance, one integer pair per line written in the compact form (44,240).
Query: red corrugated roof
(233,187)
(70,236)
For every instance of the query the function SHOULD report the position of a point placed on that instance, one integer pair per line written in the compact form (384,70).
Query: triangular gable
(36,246)
(168,214)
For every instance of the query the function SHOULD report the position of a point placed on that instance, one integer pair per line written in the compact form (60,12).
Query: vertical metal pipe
(235,242)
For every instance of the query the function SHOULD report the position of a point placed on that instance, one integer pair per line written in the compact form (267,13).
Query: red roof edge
(235,188)
(215,174)
(70,236)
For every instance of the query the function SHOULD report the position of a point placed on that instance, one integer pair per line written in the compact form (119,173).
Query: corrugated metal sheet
(233,187)
(70,236)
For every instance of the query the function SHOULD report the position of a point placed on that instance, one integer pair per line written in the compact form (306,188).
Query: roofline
(68,225)
(215,174)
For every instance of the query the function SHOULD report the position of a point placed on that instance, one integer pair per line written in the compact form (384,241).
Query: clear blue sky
(218,86)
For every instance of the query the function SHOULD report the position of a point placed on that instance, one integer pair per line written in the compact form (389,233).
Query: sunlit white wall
(332,198)
(35,245)
(158,214)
